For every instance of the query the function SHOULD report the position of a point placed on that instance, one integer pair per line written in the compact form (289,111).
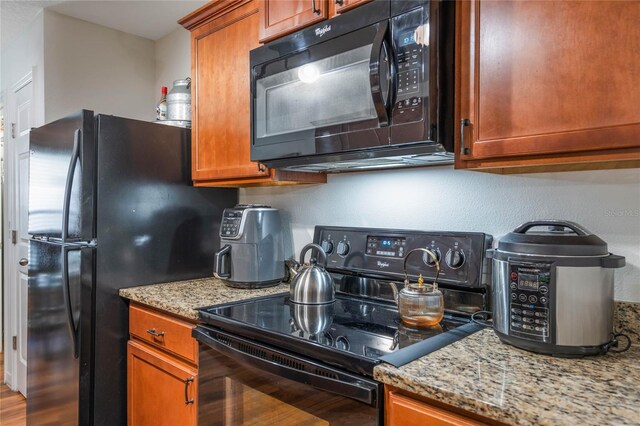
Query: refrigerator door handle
(67,299)
(75,157)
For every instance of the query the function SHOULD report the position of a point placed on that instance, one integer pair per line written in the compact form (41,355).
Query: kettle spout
(291,268)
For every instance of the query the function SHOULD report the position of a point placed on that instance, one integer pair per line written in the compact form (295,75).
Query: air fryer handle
(522,229)
(220,255)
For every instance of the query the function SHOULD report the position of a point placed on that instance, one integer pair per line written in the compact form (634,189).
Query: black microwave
(372,88)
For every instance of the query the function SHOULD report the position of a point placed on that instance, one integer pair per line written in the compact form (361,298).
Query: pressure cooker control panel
(529,291)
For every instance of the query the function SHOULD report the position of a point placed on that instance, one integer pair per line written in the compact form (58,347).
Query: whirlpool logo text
(322,31)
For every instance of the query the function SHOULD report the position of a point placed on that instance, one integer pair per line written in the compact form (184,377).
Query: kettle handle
(578,229)
(323,254)
(432,255)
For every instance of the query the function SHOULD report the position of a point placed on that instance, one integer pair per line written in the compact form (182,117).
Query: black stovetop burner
(350,333)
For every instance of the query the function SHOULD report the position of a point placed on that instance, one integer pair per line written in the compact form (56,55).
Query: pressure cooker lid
(552,238)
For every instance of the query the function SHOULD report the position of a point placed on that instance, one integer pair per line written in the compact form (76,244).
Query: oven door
(329,97)
(242,382)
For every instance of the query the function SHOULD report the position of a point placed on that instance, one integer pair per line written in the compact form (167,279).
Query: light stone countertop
(183,298)
(479,373)
(482,375)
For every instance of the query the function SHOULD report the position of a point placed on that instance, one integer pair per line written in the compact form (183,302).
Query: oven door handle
(350,386)
(381,96)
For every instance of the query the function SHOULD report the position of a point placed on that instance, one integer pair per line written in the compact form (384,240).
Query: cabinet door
(404,411)
(160,389)
(547,79)
(339,6)
(220,67)
(222,35)
(280,17)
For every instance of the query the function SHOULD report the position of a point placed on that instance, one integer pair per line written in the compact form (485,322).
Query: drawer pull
(187,401)
(153,332)
(314,9)
(463,123)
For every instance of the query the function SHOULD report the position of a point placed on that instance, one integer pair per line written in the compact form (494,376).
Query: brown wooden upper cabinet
(547,83)
(223,32)
(281,17)
(339,6)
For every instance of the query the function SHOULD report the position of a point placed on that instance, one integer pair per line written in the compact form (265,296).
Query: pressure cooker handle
(578,229)
(613,261)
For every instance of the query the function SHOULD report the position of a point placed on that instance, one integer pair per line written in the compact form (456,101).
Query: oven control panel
(374,251)
(529,301)
(410,41)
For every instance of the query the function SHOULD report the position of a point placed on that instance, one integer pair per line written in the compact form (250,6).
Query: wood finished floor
(13,406)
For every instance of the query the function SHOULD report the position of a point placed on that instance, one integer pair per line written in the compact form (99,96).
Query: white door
(20,114)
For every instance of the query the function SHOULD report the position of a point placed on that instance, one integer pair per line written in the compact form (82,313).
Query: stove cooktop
(350,333)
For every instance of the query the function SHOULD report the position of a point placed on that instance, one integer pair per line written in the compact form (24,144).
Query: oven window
(231,393)
(330,91)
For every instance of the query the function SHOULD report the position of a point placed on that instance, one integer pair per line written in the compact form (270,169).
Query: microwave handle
(380,99)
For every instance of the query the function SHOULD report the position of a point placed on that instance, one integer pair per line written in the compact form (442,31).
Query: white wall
(605,202)
(173,59)
(94,67)
(23,55)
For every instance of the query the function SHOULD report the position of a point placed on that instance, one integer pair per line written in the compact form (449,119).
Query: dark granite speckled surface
(184,297)
(485,376)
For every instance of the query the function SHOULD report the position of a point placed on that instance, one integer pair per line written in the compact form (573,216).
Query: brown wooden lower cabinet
(162,370)
(403,410)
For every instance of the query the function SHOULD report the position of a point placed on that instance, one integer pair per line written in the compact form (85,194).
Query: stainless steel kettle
(312,285)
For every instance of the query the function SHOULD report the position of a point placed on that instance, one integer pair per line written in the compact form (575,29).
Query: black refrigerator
(110,206)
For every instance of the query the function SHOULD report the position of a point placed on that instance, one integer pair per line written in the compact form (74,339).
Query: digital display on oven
(528,282)
(386,246)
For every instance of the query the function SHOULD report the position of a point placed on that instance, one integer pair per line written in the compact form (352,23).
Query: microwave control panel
(529,304)
(410,40)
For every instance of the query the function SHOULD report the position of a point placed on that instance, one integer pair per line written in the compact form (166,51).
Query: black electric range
(362,327)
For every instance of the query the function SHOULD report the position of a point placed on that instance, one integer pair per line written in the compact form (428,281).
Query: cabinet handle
(314,9)
(24,261)
(339,2)
(463,123)
(153,332)
(261,167)
(187,401)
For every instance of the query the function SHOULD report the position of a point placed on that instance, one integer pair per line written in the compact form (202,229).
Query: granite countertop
(479,373)
(183,298)
(482,375)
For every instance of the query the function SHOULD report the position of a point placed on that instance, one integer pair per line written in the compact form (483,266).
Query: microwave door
(328,98)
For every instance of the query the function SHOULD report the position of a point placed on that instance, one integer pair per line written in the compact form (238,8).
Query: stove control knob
(343,248)
(342,343)
(454,258)
(327,246)
(428,260)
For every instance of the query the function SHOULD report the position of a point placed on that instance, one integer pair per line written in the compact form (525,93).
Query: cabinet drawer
(170,334)
(401,410)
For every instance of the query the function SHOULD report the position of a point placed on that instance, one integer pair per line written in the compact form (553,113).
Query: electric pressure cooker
(553,289)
